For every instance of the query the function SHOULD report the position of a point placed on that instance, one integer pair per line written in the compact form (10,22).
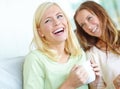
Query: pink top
(109,64)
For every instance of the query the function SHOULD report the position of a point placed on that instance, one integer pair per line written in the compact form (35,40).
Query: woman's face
(89,22)
(54,26)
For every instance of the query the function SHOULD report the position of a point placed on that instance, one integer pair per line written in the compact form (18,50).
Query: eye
(60,16)
(90,18)
(48,20)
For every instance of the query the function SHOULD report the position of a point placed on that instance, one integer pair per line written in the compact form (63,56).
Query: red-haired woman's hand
(96,69)
(116,82)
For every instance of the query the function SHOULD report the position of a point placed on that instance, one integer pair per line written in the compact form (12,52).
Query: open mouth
(60,30)
(95,29)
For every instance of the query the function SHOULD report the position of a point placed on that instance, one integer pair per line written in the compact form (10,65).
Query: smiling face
(89,22)
(53,26)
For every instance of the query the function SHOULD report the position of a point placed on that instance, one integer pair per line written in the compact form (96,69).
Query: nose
(56,22)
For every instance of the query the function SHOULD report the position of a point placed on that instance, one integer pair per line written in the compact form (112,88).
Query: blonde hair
(71,45)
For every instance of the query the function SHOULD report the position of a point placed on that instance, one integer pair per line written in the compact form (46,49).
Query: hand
(77,77)
(96,69)
(116,82)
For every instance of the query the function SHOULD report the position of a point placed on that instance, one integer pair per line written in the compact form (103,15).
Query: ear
(40,33)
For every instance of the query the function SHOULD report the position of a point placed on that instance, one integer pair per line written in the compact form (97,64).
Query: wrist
(67,85)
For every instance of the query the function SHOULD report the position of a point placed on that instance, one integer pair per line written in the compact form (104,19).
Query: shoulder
(82,56)
(31,54)
(93,50)
(33,64)
(93,53)
(34,56)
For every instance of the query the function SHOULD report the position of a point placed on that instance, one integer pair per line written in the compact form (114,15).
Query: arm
(110,86)
(33,74)
(99,82)
(116,82)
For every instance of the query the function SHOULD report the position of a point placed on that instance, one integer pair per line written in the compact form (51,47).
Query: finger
(96,68)
(75,67)
(92,61)
(79,70)
(97,74)
(94,65)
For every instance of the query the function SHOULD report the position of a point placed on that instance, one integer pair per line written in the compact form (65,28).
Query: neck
(64,57)
(102,45)
(59,48)
(62,54)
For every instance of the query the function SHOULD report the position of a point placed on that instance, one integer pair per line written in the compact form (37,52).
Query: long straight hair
(71,45)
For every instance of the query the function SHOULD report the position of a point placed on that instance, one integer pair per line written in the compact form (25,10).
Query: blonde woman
(55,62)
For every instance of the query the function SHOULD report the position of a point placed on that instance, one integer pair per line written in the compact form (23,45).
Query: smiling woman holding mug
(99,37)
(56,62)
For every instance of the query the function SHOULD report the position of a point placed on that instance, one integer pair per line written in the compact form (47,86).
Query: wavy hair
(111,36)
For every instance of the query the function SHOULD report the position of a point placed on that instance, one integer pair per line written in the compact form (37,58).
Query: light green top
(40,72)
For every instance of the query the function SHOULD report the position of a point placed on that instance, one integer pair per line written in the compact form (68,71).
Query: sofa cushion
(11,73)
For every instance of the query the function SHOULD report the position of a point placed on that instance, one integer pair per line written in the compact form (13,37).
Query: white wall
(16,25)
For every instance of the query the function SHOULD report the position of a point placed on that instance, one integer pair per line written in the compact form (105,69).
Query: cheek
(47,31)
(64,21)
(46,28)
(97,20)
(86,30)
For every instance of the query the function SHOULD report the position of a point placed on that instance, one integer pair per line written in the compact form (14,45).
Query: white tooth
(58,30)
(94,30)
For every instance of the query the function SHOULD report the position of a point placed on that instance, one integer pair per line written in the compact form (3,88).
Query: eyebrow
(56,14)
(44,19)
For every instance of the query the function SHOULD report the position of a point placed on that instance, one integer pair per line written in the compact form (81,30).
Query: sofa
(11,73)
